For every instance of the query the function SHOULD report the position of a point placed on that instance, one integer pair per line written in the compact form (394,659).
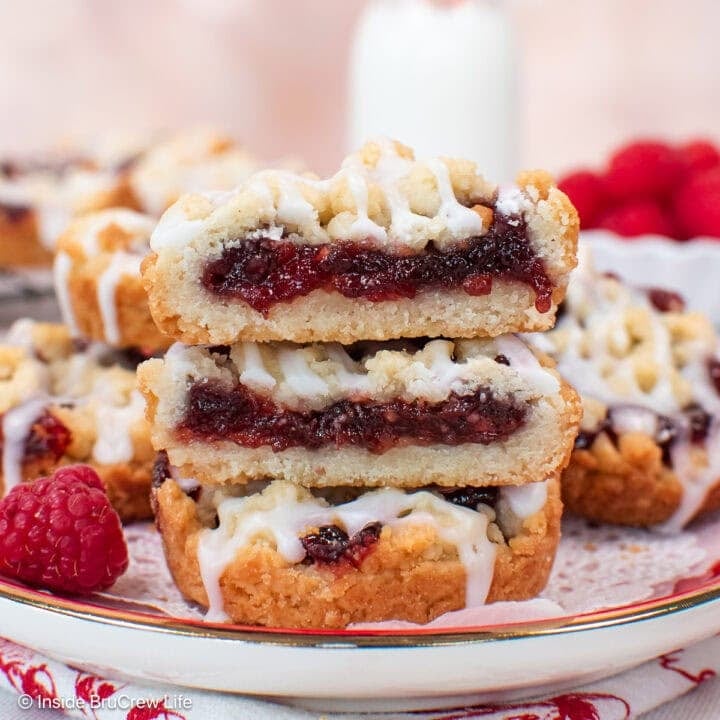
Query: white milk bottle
(438,75)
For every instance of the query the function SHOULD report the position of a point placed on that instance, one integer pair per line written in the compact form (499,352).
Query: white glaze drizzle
(298,375)
(632,418)
(525,500)
(253,372)
(451,223)
(175,229)
(78,368)
(437,378)
(696,478)
(61,271)
(138,226)
(188,162)
(292,207)
(524,362)
(511,201)
(285,512)
(461,221)
(114,442)
(52,219)
(16,425)
(363,227)
(322,374)
(405,225)
(121,264)
(177,359)
(346,371)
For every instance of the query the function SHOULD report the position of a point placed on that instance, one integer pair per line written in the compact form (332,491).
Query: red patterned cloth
(39,682)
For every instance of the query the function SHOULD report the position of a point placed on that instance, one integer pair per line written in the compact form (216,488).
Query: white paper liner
(595,568)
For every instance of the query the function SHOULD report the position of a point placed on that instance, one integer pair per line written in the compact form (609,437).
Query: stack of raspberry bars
(323,460)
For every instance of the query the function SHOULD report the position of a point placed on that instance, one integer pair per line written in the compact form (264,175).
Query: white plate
(391,669)
(372,670)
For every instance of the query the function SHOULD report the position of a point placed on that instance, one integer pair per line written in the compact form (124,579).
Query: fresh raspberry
(641,217)
(698,155)
(61,533)
(696,205)
(643,169)
(586,191)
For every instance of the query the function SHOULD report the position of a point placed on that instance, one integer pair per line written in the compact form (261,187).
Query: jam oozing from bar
(217,412)
(264,272)
(331,544)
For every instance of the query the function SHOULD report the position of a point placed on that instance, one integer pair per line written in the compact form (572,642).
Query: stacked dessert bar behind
(648,372)
(373,472)
(39,198)
(64,400)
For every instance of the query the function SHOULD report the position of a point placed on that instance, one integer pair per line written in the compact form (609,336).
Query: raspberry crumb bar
(189,161)
(97,279)
(39,198)
(388,247)
(468,412)
(63,402)
(648,372)
(285,556)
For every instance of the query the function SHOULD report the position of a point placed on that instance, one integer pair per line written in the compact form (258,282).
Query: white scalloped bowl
(691,268)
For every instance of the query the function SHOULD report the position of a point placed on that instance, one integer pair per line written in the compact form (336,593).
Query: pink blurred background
(274,72)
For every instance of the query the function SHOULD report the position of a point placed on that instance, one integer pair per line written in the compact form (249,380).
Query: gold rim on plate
(621,615)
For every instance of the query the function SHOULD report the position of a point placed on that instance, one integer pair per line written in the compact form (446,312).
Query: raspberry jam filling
(666,300)
(263,272)
(331,544)
(470,497)
(48,439)
(217,412)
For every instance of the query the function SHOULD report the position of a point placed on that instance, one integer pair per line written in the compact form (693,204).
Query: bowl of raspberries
(652,216)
